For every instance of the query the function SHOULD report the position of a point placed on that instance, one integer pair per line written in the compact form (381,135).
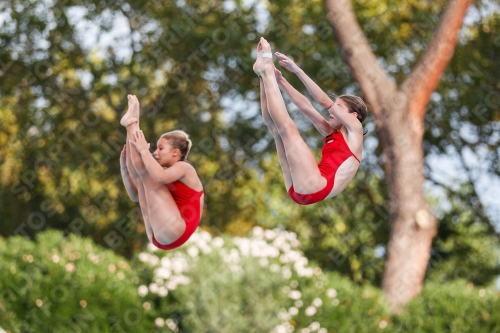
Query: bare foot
(133,112)
(262,64)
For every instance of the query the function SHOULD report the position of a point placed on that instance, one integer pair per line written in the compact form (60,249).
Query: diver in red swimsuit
(305,180)
(171,199)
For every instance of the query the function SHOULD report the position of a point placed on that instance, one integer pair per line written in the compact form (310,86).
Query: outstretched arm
(155,170)
(316,92)
(127,181)
(304,105)
(351,123)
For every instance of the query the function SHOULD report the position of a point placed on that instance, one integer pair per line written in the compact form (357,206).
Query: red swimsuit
(335,151)
(188,202)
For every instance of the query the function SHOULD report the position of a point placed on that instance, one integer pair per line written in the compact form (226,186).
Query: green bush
(452,307)
(263,283)
(60,284)
(257,284)
(210,286)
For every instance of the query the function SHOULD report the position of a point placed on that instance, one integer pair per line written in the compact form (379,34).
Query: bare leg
(160,212)
(133,112)
(301,161)
(280,148)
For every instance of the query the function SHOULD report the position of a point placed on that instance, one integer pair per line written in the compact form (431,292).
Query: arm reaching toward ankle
(304,105)
(316,92)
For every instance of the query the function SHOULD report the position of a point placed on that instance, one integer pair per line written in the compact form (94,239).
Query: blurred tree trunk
(399,116)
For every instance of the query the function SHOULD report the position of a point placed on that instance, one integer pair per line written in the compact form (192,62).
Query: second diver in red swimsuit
(171,199)
(305,180)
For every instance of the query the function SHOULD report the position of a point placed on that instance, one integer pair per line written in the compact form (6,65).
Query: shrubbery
(261,283)
(60,284)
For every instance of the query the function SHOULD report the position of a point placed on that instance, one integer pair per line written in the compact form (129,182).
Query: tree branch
(424,78)
(355,48)
(479,208)
(480,211)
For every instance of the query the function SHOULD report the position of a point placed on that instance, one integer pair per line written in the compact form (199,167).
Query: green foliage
(62,100)
(215,285)
(66,284)
(465,247)
(452,307)
(461,124)
(262,283)
(190,64)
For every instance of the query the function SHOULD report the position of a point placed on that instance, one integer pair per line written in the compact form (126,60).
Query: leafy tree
(62,102)
(62,97)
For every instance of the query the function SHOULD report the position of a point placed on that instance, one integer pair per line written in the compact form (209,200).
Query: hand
(287,63)
(140,142)
(278,74)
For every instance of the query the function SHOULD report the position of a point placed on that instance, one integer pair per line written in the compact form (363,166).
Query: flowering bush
(60,284)
(263,283)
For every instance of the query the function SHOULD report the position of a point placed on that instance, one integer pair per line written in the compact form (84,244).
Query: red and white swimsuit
(188,202)
(335,151)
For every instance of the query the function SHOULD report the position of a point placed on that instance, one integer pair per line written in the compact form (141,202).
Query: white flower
(279,242)
(162,273)
(293,311)
(314,326)
(204,247)
(263,262)
(294,294)
(153,260)
(152,248)
(172,325)
(311,310)
(143,291)
(162,291)
(280,329)
(193,251)
(179,265)
(332,293)
(159,322)
(218,242)
(317,302)
(143,256)
(323,330)
(270,234)
(176,280)
(307,272)
(165,262)
(258,232)
(153,287)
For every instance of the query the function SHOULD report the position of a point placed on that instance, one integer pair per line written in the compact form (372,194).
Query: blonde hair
(179,140)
